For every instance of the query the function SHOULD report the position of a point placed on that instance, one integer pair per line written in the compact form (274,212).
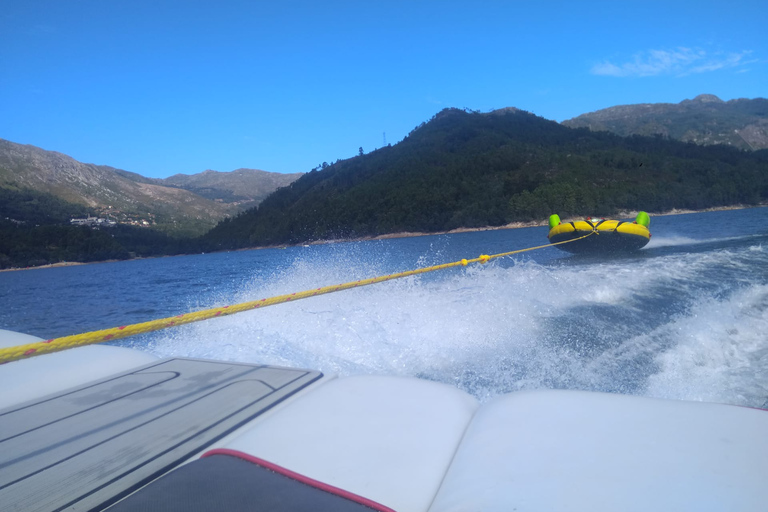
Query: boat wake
(681,325)
(681,241)
(673,241)
(718,353)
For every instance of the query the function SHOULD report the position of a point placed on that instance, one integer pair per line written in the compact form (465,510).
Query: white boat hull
(407,444)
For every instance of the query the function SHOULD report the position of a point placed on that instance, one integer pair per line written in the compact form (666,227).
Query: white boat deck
(89,446)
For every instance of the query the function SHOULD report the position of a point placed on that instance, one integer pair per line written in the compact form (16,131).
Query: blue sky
(164,87)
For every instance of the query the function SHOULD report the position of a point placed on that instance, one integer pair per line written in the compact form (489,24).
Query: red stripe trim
(299,478)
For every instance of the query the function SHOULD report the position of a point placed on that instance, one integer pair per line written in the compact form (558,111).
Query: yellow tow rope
(88,338)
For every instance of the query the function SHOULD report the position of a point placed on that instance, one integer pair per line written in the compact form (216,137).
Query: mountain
(40,191)
(461,169)
(244,188)
(106,190)
(706,119)
(171,205)
(469,169)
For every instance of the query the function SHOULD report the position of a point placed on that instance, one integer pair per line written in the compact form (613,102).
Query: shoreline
(63,264)
(515,225)
(405,234)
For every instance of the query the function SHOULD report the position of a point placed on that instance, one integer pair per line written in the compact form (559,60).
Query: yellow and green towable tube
(606,235)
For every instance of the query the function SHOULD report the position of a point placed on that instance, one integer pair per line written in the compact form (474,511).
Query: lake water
(684,318)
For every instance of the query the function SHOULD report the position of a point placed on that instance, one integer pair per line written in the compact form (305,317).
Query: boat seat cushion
(568,451)
(390,439)
(235,482)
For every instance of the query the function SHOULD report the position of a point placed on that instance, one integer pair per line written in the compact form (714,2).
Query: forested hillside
(35,230)
(465,169)
(460,169)
(41,191)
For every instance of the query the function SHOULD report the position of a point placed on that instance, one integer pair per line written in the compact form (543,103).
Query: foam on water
(689,325)
(675,241)
(718,352)
(672,241)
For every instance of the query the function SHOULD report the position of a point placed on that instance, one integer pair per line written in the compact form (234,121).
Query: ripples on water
(685,318)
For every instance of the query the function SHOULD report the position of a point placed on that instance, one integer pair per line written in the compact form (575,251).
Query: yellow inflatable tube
(608,235)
